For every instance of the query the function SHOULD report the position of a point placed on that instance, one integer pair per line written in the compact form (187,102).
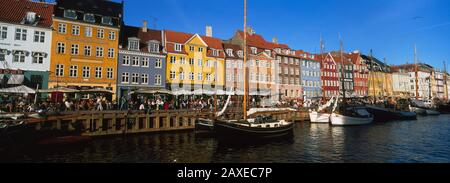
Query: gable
(196,40)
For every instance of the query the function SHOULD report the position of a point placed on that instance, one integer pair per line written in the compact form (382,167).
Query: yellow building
(85,45)
(380,84)
(194,62)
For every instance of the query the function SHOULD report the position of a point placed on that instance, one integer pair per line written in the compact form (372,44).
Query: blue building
(142,60)
(310,77)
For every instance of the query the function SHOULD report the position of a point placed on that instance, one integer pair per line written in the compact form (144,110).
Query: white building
(425,85)
(25,42)
(402,84)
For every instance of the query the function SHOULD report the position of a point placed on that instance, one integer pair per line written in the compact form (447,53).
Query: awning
(182,92)
(59,89)
(96,90)
(16,79)
(151,91)
(19,89)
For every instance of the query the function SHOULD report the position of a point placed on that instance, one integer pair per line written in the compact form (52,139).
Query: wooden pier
(107,123)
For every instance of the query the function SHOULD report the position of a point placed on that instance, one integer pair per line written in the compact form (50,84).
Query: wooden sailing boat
(321,114)
(348,115)
(247,128)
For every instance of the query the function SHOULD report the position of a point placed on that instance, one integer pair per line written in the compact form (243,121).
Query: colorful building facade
(380,78)
(288,72)
(329,75)
(142,60)
(310,76)
(360,74)
(194,62)
(85,44)
(25,43)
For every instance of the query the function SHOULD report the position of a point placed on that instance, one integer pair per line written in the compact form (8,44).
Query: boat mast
(245,61)
(372,75)
(343,73)
(322,50)
(416,72)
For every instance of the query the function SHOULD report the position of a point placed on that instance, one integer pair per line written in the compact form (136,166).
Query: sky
(390,28)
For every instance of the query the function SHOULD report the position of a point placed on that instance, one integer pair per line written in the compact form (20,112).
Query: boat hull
(432,113)
(204,126)
(382,114)
(316,117)
(340,120)
(227,130)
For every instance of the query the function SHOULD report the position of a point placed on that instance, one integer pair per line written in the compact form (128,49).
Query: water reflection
(424,140)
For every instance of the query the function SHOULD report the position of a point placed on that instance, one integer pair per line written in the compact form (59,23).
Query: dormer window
(30,18)
(292,52)
(178,47)
(216,53)
(230,52)
(70,14)
(133,44)
(153,47)
(286,52)
(240,54)
(89,18)
(254,50)
(268,52)
(107,20)
(278,50)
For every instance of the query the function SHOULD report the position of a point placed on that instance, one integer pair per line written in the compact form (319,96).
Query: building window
(154,47)
(111,53)
(89,18)
(87,50)
(200,62)
(3,32)
(109,73)
(173,59)
(230,52)
(98,72)
(178,47)
(254,50)
(191,61)
(73,71)
(125,77)
(99,52)
(19,57)
(135,78)
(61,48)
(158,64)
(2,56)
(126,60)
(112,35)
(75,30)
(62,28)
(74,49)
(38,58)
(21,34)
(191,76)
(172,75)
(181,75)
(191,48)
(200,49)
(133,44)
(100,33)
(86,72)
(107,20)
(200,76)
(240,53)
(157,79)
(59,70)
(70,14)
(88,31)
(216,53)
(145,61)
(208,77)
(39,37)
(135,61)
(182,60)
(144,79)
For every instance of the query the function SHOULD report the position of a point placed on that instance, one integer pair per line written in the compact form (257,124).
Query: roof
(234,47)
(305,55)
(256,40)
(144,37)
(14,11)
(411,68)
(338,58)
(181,38)
(97,7)
(375,65)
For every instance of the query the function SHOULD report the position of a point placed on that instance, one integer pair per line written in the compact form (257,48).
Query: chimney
(275,40)
(250,30)
(144,26)
(209,31)
(30,17)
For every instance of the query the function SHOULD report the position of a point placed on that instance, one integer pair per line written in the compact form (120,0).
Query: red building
(329,75)
(361,74)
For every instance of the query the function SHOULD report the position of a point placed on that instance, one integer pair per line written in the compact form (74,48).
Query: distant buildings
(310,76)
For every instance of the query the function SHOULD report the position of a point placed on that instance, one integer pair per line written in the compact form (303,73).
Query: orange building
(85,44)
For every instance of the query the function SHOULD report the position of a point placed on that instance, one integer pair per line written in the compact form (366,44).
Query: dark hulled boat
(385,114)
(259,128)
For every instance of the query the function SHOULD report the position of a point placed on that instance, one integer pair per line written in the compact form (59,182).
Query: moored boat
(384,114)
(316,117)
(204,126)
(352,117)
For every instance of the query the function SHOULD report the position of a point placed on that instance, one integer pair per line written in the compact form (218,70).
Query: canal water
(424,140)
